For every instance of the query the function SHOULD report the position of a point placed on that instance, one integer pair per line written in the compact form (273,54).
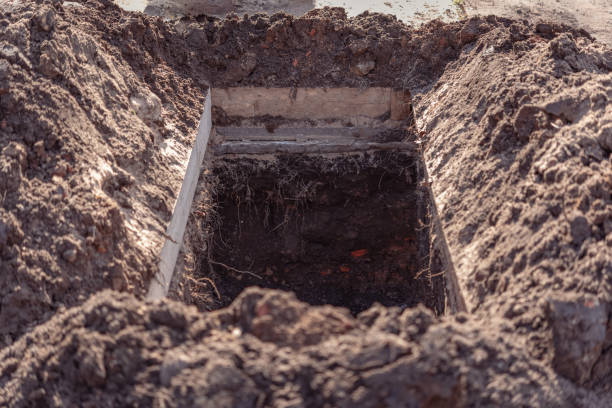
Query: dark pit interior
(347,231)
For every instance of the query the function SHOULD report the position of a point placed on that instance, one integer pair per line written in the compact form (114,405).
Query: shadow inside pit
(347,231)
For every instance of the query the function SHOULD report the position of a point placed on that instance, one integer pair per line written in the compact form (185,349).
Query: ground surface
(515,120)
(592,15)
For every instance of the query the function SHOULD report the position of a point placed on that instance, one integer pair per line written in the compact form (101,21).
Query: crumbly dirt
(86,184)
(530,223)
(515,124)
(268,349)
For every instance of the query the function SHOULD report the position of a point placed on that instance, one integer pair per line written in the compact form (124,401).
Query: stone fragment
(364,68)
(147,105)
(580,229)
(579,332)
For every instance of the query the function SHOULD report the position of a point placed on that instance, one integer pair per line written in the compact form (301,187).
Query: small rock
(579,333)
(70,255)
(364,68)
(45,19)
(172,365)
(605,138)
(147,105)
(544,28)
(580,229)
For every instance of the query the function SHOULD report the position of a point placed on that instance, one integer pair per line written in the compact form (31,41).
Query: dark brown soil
(522,157)
(515,125)
(268,349)
(84,180)
(348,231)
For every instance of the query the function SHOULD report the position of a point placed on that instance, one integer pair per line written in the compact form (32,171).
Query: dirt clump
(325,48)
(117,351)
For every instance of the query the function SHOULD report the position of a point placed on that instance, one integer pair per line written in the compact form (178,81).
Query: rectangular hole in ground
(347,231)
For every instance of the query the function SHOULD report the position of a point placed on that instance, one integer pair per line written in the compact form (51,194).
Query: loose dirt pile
(94,104)
(85,130)
(529,221)
(268,349)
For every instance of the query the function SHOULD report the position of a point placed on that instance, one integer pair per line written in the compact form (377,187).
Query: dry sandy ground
(595,16)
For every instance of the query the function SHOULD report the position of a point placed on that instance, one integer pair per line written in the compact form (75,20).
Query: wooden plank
(160,283)
(260,148)
(304,103)
(296,134)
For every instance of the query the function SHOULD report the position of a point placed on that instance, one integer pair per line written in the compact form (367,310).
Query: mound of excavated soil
(268,349)
(97,103)
(515,122)
(517,141)
(85,174)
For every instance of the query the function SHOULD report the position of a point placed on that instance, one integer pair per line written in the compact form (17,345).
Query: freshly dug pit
(347,231)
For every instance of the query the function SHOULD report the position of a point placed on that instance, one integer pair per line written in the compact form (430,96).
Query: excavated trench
(348,230)
(328,200)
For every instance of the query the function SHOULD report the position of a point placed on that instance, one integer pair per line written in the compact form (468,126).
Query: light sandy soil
(595,16)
